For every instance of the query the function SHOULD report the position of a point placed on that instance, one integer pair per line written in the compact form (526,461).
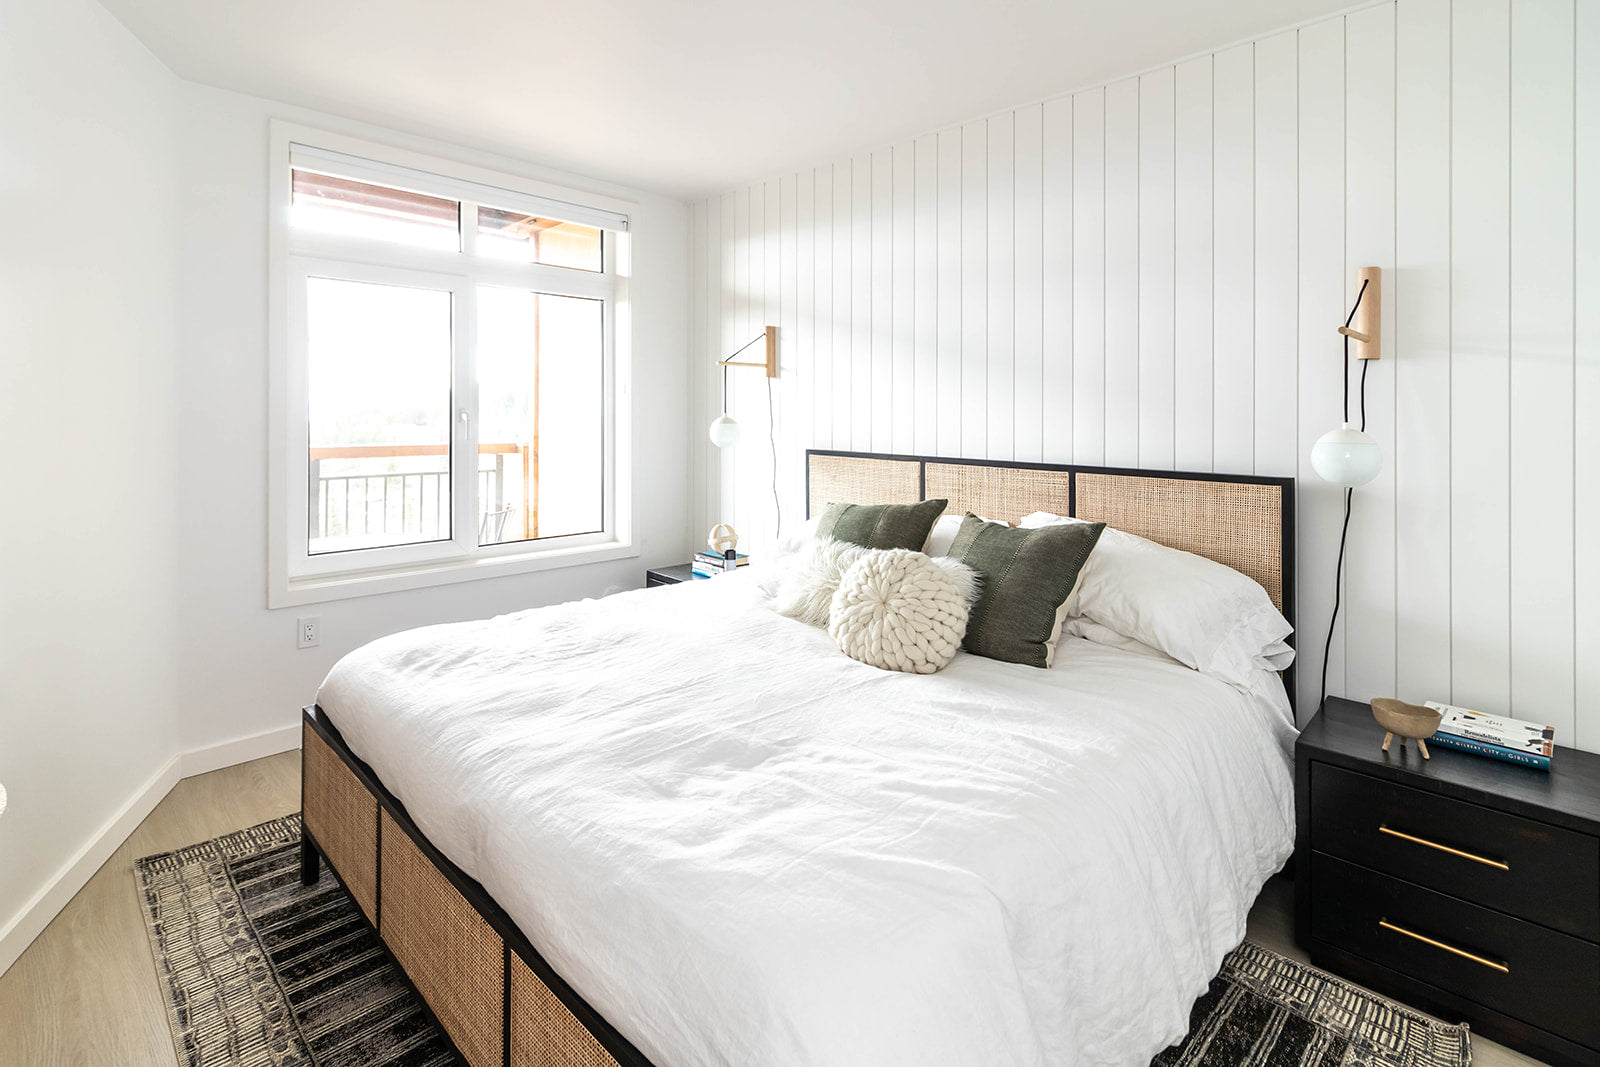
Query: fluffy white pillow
(810,576)
(1199,612)
(902,611)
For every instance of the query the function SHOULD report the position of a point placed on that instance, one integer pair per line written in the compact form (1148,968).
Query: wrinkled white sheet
(742,847)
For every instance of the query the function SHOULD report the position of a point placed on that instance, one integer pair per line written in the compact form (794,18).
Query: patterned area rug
(261,971)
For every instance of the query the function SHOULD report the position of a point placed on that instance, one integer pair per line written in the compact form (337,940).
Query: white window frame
(295,576)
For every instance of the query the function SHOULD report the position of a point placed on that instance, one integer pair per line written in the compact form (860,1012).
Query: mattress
(742,847)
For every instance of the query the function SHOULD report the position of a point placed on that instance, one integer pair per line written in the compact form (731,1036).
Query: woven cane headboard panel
(1245,522)
(999,493)
(1235,523)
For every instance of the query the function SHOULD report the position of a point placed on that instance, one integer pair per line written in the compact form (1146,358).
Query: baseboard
(47,903)
(239,750)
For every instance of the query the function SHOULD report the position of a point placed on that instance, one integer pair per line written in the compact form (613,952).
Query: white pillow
(900,610)
(1094,633)
(1199,612)
(810,576)
(944,531)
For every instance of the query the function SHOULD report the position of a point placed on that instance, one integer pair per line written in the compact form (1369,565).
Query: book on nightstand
(1495,736)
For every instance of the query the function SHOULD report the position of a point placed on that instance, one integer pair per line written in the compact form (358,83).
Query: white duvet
(742,847)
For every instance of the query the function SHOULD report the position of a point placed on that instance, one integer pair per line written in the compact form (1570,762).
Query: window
(451,365)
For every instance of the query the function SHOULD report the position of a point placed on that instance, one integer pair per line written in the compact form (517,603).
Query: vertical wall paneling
(1322,310)
(775,393)
(802,348)
(1369,242)
(1122,274)
(1000,310)
(1541,350)
(1586,371)
(844,381)
(1152,273)
(1480,370)
(1193,266)
(925,297)
(974,291)
(700,483)
(1277,261)
(949,267)
(1157,247)
(728,326)
(1027,175)
(1056,286)
(1233,281)
(902,282)
(863,382)
(1420,311)
(823,395)
(881,412)
(1088,278)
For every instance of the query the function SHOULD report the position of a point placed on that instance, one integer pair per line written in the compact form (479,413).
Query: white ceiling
(677,96)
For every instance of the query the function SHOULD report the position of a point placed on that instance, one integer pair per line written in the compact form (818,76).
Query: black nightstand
(1465,886)
(667,575)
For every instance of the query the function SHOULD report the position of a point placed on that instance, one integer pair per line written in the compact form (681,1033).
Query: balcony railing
(414,505)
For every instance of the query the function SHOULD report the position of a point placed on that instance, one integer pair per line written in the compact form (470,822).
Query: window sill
(319,589)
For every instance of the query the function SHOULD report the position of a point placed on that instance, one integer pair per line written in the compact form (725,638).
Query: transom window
(451,368)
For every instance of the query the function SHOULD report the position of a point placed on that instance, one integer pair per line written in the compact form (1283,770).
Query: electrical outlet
(308,631)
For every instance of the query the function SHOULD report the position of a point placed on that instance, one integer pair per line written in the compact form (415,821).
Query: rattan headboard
(1243,521)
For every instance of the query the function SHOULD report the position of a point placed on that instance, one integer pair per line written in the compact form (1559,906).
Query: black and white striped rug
(261,971)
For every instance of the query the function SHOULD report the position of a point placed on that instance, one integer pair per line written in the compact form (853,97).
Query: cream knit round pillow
(902,611)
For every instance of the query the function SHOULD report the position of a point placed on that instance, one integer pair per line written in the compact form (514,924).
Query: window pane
(541,371)
(379,365)
(360,209)
(529,239)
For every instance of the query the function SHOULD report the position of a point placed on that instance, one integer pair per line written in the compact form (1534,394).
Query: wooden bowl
(1405,720)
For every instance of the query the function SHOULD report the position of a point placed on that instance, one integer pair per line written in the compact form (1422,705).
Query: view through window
(455,361)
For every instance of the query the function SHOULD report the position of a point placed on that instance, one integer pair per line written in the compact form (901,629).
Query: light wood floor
(85,993)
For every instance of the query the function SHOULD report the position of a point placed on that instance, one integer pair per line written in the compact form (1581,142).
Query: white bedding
(742,847)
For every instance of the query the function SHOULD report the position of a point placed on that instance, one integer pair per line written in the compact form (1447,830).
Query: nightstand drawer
(1510,966)
(1529,869)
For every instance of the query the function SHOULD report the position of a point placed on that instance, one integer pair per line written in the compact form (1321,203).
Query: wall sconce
(724,431)
(1349,456)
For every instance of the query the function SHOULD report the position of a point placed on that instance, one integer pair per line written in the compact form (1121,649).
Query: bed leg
(310,861)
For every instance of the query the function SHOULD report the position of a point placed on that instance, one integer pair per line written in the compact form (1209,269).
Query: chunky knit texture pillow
(902,611)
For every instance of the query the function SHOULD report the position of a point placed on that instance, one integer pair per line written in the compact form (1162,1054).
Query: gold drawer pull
(1444,848)
(1502,968)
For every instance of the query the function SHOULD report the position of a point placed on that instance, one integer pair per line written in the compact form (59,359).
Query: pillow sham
(881,525)
(900,610)
(1199,612)
(1029,577)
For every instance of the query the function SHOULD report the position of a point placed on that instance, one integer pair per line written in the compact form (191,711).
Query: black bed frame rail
(620,1048)
(1285,487)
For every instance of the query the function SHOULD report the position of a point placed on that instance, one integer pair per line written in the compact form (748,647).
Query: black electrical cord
(1344,531)
(772,440)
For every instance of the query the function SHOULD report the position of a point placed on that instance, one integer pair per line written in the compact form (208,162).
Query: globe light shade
(724,432)
(1347,456)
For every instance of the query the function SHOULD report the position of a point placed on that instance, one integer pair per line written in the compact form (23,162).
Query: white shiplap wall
(1150,273)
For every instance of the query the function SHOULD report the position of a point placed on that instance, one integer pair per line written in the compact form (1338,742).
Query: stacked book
(1512,740)
(710,564)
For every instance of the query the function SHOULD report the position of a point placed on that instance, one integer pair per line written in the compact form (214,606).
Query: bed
(671,827)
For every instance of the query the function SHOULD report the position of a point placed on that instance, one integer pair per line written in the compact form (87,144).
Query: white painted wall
(242,675)
(88,404)
(1150,273)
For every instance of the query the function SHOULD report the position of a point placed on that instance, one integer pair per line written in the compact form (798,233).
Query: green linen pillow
(881,525)
(1028,582)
